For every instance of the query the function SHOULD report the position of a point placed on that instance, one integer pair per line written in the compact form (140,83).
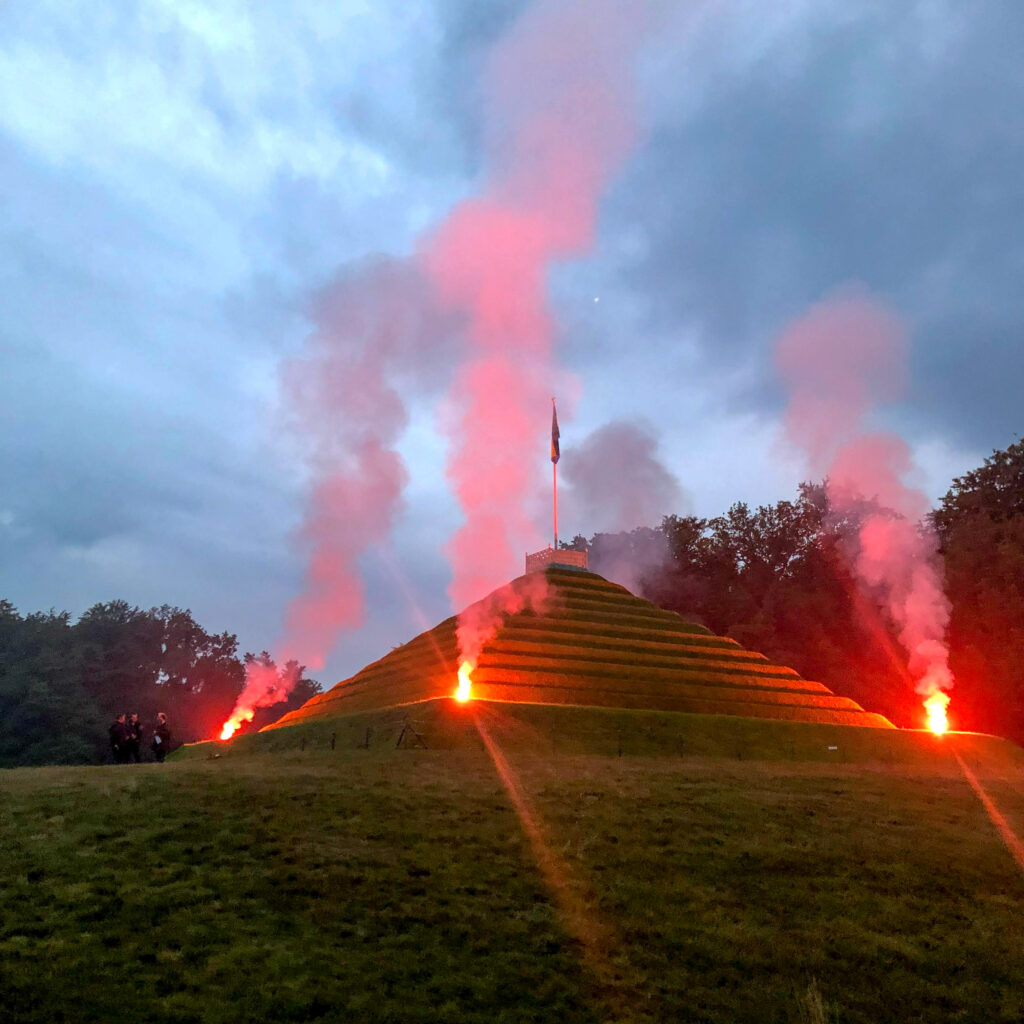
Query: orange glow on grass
(462,692)
(936,706)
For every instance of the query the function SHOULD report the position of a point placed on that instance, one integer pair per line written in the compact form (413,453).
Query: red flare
(936,706)
(463,691)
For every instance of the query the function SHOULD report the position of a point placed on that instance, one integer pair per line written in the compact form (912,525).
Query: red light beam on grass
(576,916)
(1010,838)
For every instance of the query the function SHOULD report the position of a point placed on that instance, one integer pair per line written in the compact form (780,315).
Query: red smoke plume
(481,620)
(264,685)
(558,121)
(374,328)
(840,360)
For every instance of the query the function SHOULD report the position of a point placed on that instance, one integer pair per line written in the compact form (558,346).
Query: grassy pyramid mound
(593,643)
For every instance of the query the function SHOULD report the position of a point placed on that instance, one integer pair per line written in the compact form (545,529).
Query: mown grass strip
(635,665)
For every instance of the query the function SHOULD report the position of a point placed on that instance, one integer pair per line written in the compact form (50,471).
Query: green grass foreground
(277,883)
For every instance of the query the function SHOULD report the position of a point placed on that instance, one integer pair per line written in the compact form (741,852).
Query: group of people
(126,738)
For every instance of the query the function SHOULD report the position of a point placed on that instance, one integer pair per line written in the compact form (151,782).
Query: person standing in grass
(119,739)
(161,737)
(134,739)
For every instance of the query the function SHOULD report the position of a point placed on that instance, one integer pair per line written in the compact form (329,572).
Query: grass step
(510,640)
(701,705)
(639,668)
(716,690)
(610,628)
(627,654)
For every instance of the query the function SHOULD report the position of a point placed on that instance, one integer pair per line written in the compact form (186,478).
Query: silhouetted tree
(980,522)
(46,715)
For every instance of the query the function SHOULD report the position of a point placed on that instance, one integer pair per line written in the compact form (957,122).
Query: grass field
(714,870)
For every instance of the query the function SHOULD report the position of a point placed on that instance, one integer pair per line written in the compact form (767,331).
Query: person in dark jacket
(161,737)
(134,739)
(119,739)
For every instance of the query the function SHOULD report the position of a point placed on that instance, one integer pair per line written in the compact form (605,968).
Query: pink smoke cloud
(482,619)
(376,330)
(841,360)
(264,685)
(559,119)
(348,513)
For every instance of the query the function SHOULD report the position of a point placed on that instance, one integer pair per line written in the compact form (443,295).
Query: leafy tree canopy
(63,683)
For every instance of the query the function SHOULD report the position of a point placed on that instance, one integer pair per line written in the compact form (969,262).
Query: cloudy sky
(182,184)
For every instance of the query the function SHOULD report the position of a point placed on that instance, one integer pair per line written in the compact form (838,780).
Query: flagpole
(554,465)
(554,487)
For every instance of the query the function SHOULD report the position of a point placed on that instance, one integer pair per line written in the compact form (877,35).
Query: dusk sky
(190,191)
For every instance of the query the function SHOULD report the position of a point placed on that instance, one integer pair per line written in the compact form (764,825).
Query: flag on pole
(555,453)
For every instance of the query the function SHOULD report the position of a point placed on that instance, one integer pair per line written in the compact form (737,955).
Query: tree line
(777,579)
(63,683)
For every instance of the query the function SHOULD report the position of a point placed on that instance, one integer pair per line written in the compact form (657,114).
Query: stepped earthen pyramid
(592,643)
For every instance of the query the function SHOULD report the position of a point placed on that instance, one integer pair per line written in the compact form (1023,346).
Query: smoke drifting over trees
(617,481)
(783,579)
(840,361)
(618,485)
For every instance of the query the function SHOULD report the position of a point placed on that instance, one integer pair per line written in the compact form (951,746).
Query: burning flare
(462,693)
(265,684)
(232,724)
(936,706)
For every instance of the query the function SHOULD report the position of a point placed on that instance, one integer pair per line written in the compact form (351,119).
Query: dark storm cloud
(882,145)
(969,369)
(88,461)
